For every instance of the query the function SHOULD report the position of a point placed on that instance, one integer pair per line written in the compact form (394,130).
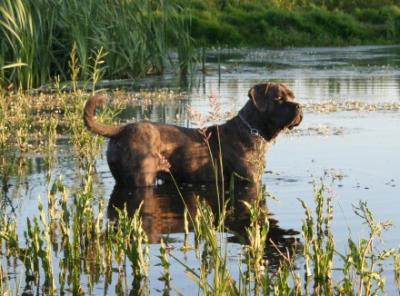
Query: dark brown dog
(136,151)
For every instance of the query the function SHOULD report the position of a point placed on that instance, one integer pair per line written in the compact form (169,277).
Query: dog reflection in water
(162,214)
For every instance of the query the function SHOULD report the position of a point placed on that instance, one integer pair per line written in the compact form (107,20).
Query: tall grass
(141,37)
(137,35)
(27,36)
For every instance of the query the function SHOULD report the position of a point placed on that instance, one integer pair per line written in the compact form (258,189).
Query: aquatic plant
(212,253)
(318,242)
(257,236)
(27,51)
(165,263)
(360,272)
(39,36)
(361,263)
(132,242)
(396,259)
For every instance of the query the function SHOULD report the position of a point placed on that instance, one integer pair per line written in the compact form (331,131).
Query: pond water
(360,149)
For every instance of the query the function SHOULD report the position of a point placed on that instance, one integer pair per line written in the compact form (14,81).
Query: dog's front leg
(145,173)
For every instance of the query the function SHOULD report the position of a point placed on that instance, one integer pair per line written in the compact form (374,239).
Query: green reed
(28,41)
(165,263)
(214,261)
(360,272)
(133,242)
(318,241)
(257,236)
(47,256)
(2,289)
(86,145)
(361,264)
(5,131)
(137,36)
(396,259)
(15,122)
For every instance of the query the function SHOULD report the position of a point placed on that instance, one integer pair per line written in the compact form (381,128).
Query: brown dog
(136,151)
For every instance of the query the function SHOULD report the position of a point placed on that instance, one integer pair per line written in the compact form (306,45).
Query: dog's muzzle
(298,118)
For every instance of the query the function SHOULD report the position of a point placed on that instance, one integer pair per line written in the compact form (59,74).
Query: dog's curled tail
(93,126)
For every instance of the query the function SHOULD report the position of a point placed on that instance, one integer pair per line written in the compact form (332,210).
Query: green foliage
(319,244)
(363,260)
(208,30)
(27,41)
(135,37)
(133,242)
(263,23)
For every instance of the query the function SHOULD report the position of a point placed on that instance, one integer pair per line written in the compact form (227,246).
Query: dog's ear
(260,94)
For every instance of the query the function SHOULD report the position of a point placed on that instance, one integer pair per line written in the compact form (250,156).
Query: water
(367,73)
(361,150)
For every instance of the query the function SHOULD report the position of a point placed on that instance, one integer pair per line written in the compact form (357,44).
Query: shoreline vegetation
(42,39)
(296,23)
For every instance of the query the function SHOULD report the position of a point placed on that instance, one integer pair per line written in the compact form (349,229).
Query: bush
(334,24)
(210,32)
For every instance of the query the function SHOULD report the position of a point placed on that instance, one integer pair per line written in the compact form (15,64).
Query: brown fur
(135,150)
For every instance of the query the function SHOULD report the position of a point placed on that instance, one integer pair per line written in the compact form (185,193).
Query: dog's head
(275,106)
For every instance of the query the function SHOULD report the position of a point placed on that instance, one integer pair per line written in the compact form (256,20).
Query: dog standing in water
(136,150)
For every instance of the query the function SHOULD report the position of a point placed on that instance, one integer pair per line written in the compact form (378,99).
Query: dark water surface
(361,149)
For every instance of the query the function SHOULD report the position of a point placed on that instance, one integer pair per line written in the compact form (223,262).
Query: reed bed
(136,38)
(69,246)
(146,37)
